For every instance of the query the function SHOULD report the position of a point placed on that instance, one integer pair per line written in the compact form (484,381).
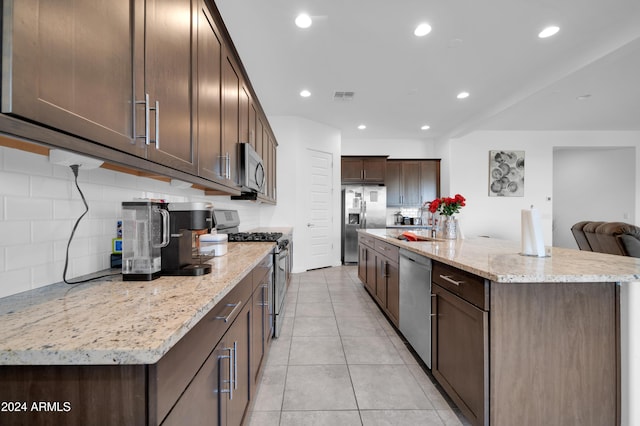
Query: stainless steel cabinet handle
(226,174)
(145,136)
(230,381)
(235,365)
(157,111)
(235,307)
(450,280)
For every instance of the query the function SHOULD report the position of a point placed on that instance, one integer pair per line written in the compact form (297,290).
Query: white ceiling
(488,48)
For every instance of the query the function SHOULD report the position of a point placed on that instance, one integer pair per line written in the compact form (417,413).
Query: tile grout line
(353,389)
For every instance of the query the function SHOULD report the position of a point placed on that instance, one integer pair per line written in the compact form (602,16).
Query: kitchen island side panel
(554,354)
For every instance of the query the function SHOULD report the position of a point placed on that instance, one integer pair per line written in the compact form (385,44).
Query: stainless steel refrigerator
(363,207)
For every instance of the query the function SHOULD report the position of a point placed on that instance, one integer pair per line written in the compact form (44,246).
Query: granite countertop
(501,261)
(116,322)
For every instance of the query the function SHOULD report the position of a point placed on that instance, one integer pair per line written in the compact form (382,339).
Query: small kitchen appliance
(145,231)
(182,255)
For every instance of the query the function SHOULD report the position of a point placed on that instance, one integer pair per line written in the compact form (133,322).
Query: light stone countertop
(501,261)
(116,322)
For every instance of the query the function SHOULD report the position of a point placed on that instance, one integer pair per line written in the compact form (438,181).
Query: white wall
(295,135)
(39,205)
(465,171)
(591,184)
(394,148)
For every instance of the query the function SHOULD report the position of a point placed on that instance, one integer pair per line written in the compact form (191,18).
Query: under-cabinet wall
(40,205)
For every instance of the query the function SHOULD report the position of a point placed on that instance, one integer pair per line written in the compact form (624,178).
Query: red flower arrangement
(447,206)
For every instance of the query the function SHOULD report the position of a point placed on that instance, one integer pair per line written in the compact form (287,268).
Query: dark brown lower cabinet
(460,344)
(378,269)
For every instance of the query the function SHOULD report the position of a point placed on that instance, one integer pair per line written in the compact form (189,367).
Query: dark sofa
(608,237)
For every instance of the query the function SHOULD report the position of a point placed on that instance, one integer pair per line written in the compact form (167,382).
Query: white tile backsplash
(13,184)
(21,208)
(39,204)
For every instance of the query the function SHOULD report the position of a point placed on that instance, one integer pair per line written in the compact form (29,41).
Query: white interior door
(319,206)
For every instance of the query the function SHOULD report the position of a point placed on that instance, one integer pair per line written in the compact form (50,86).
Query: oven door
(281,274)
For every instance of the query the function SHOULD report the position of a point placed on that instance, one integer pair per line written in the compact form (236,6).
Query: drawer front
(366,240)
(170,376)
(468,286)
(261,270)
(388,250)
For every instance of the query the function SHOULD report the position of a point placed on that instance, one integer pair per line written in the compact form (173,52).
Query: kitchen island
(527,340)
(114,352)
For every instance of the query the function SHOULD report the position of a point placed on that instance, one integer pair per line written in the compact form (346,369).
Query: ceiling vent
(343,96)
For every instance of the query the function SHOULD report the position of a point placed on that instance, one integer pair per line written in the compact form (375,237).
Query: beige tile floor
(338,361)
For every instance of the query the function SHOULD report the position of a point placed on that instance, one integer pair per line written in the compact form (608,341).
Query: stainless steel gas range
(227,222)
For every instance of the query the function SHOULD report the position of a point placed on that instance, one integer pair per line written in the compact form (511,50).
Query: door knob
(310,225)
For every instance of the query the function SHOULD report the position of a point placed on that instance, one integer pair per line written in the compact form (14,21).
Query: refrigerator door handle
(364,214)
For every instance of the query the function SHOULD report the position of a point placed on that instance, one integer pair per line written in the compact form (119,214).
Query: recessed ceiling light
(463,95)
(422,30)
(303,20)
(549,31)
(425,127)
(362,127)
(583,97)
(305,93)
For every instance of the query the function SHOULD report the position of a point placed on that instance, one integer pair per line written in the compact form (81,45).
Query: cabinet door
(261,328)
(394,183)
(239,336)
(204,401)
(393,292)
(210,162)
(243,114)
(373,169)
(362,263)
(259,134)
(381,280)
(460,339)
(410,183)
(68,65)
(230,118)
(169,81)
(351,170)
(252,125)
(429,180)
(371,271)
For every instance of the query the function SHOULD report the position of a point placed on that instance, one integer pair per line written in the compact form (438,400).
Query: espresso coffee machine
(187,221)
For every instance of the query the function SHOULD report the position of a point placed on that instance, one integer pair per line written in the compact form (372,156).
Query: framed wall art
(506,173)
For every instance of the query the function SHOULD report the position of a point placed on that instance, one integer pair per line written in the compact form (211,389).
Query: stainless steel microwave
(252,176)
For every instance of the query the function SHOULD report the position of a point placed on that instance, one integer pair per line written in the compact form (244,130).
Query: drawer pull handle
(450,280)
(228,317)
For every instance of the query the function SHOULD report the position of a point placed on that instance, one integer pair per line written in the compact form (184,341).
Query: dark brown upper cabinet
(69,66)
(363,169)
(411,183)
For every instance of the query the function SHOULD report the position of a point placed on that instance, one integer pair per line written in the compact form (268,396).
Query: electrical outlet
(66,158)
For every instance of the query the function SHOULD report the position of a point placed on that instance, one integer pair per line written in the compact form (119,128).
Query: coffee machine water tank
(145,231)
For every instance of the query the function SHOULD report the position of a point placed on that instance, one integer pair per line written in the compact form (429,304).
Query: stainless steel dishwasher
(415,302)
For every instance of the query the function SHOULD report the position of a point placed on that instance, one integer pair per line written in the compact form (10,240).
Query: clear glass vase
(450,228)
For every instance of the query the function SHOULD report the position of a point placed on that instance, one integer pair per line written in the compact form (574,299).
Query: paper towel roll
(532,240)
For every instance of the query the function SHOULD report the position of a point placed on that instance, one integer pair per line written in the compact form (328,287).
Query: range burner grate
(255,236)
